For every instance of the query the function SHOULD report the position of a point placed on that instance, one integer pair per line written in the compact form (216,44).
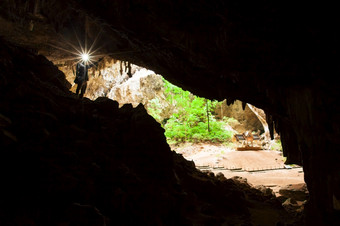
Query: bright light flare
(85,57)
(81,53)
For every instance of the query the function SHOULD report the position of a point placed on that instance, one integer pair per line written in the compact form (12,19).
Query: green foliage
(154,109)
(192,119)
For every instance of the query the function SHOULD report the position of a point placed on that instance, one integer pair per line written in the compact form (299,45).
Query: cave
(67,161)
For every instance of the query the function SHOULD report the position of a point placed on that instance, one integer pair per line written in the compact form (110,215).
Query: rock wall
(142,87)
(246,117)
(252,52)
(255,53)
(66,161)
(120,81)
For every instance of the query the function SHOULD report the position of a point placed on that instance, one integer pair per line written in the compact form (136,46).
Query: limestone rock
(265,190)
(82,162)
(216,49)
(246,119)
(294,206)
(142,87)
(297,192)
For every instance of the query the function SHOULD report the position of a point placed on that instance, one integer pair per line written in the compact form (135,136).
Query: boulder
(294,206)
(297,192)
(266,191)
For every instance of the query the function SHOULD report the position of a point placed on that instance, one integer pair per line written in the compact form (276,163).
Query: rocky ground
(263,167)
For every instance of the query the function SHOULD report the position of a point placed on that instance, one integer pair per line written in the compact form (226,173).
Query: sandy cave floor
(264,167)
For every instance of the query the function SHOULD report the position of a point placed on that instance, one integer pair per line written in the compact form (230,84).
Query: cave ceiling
(279,56)
(257,52)
(216,49)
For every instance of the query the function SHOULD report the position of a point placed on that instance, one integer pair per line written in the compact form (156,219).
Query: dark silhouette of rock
(279,57)
(297,192)
(66,161)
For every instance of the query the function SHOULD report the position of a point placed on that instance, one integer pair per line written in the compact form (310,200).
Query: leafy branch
(192,119)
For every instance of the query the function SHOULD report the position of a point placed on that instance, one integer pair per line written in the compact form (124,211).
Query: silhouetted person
(82,77)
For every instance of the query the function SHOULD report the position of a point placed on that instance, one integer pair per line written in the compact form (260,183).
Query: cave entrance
(201,130)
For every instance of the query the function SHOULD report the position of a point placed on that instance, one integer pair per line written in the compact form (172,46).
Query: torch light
(85,57)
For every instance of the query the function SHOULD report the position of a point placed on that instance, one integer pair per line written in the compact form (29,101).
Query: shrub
(192,120)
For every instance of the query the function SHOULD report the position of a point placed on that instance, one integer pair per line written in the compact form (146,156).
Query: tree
(192,119)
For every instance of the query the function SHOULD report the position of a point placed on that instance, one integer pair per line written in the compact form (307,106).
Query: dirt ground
(264,167)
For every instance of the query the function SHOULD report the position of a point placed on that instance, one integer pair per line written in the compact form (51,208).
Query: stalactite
(306,119)
(277,125)
(230,101)
(290,145)
(244,105)
(36,9)
(129,70)
(121,67)
(270,122)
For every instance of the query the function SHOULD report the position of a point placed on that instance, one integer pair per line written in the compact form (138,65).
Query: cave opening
(185,117)
(57,159)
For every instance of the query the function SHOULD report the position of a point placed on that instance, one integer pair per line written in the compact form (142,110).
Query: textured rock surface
(247,119)
(279,57)
(120,81)
(297,192)
(66,161)
(142,87)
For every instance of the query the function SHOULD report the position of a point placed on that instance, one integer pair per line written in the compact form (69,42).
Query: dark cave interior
(79,162)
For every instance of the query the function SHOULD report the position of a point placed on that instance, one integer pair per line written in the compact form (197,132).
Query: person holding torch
(82,74)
